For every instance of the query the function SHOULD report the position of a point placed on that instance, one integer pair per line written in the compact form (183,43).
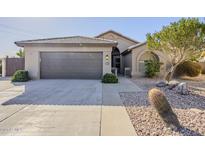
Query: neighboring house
(83,57)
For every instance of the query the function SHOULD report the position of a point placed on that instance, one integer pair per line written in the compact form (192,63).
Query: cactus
(158,100)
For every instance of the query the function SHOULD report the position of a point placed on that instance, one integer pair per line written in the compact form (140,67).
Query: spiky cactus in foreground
(162,106)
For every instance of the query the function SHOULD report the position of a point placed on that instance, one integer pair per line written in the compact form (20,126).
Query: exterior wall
(137,53)
(32,56)
(123,44)
(107,63)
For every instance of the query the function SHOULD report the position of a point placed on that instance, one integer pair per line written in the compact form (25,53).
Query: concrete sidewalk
(5,83)
(54,120)
(115,120)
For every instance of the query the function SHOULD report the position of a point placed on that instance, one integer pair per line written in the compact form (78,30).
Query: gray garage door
(66,65)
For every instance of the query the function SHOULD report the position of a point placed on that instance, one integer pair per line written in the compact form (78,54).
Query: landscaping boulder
(182,89)
(172,84)
(161,84)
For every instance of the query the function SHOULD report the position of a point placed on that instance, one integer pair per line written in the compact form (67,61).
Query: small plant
(188,68)
(20,76)
(160,103)
(109,78)
(151,68)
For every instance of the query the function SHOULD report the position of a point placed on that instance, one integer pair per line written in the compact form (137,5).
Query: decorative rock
(172,84)
(182,89)
(161,84)
(197,111)
(146,121)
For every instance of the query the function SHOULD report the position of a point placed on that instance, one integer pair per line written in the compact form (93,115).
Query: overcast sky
(16,29)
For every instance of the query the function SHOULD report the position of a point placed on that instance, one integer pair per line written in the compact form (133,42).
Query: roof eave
(130,49)
(137,45)
(126,52)
(23,44)
(19,44)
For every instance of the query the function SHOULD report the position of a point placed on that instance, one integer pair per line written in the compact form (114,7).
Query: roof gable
(117,33)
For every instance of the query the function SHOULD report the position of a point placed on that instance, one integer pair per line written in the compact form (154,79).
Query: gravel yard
(190,110)
(198,81)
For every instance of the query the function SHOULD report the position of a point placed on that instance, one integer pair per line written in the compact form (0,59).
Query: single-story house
(81,57)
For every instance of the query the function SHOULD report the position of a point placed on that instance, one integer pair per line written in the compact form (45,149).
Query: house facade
(80,57)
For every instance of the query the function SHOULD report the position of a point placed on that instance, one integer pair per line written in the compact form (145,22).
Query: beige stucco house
(83,57)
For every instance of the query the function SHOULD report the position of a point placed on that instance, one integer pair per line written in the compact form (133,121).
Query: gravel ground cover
(198,81)
(190,110)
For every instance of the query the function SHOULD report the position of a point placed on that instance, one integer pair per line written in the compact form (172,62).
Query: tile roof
(129,49)
(136,45)
(68,40)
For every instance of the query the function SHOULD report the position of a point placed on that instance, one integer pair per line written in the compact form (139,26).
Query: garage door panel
(71,65)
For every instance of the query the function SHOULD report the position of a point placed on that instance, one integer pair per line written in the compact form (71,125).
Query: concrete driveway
(64,107)
(51,107)
(57,92)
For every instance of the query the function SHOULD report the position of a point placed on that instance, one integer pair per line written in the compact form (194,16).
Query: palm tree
(20,53)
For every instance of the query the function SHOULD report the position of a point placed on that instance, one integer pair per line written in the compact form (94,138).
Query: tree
(20,53)
(180,41)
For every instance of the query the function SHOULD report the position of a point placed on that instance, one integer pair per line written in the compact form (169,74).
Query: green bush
(20,76)
(151,68)
(188,68)
(109,78)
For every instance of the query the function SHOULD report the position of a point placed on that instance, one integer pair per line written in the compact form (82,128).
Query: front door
(116,63)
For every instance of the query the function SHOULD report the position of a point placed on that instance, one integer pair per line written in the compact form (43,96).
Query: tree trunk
(169,75)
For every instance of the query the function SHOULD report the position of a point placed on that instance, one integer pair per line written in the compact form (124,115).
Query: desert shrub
(202,64)
(188,68)
(151,68)
(20,76)
(158,100)
(109,78)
